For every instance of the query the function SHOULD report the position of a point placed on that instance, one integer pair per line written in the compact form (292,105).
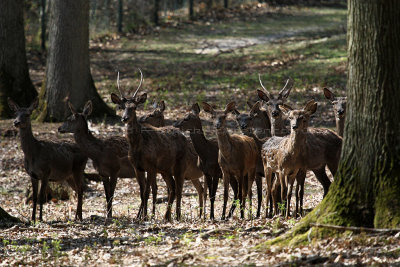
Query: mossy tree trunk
(14,75)
(68,68)
(366,190)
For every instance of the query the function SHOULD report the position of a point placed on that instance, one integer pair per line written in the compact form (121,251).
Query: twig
(207,234)
(356,229)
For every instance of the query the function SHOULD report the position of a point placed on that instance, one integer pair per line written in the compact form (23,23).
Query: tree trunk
(5,217)
(43,24)
(226,4)
(14,74)
(68,68)
(120,15)
(366,188)
(156,9)
(191,12)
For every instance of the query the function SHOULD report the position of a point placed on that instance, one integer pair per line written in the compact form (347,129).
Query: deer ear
(87,110)
(115,99)
(255,108)
(141,98)
(230,107)
(71,107)
(328,94)
(161,105)
(262,95)
(13,106)
(285,109)
(311,107)
(34,104)
(196,109)
(249,104)
(208,108)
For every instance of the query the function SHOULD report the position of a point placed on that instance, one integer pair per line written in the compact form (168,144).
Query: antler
(266,91)
(140,84)
(286,89)
(119,90)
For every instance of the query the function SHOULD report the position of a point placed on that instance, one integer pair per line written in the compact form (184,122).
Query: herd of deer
(266,148)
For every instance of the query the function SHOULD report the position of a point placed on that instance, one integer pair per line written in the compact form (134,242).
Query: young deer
(154,150)
(246,123)
(260,121)
(48,161)
(285,155)
(339,108)
(109,155)
(237,157)
(207,149)
(192,172)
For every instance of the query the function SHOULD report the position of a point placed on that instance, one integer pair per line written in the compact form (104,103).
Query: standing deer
(109,155)
(48,161)
(285,156)
(192,172)
(260,121)
(339,108)
(154,150)
(237,157)
(207,149)
(246,124)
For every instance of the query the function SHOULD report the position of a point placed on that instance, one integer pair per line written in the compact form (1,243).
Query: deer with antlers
(237,157)
(154,150)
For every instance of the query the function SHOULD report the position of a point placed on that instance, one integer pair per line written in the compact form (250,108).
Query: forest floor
(215,59)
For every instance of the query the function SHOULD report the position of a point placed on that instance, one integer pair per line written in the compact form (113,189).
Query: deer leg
(282,180)
(207,185)
(178,189)
(259,194)
(35,186)
(42,196)
(154,189)
(77,185)
(226,179)
(300,178)
(290,181)
(234,185)
(200,191)
(323,179)
(215,180)
(148,183)
(268,181)
(171,195)
(112,185)
(241,197)
(106,185)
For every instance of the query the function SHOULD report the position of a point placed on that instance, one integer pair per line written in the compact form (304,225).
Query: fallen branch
(207,234)
(316,259)
(356,229)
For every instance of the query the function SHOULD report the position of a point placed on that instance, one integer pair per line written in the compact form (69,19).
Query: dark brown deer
(285,156)
(339,108)
(192,172)
(109,155)
(46,161)
(237,157)
(154,150)
(260,121)
(246,124)
(207,149)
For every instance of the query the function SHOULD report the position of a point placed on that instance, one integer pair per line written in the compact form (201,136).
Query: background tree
(14,75)
(156,10)
(68,68)
(120,15)
(191,12)
(366,189)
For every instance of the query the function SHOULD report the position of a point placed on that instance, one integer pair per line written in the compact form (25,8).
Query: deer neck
(134,132)
(340,126)
(277,126)
(200,143)
(297,142)
(29,143)
(224,141)
(87,142)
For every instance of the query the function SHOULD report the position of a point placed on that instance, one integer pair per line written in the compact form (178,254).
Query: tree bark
(68,68)
(226,4)
(191,12)
(156,9)
(14,74)
(120,15)
(366,189)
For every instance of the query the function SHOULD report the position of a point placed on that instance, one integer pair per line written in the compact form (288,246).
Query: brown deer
(260,121)
(237,157)
(192,172)
(207,149)
(46,161)
(285,156)
(246,124)
(154,150)
(109,155)
(339,108)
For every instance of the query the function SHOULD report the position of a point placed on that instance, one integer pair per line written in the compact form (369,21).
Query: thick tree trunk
(366,189)
(5,217)
(120,15)
(14,75)
(191,12)
(156,9)
(68,68)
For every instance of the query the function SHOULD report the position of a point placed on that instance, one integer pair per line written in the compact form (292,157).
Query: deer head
(299,119)
(219,116)
(129,104)
(339,103)
(23,115)
(76,121)
(156,117)
(191,122)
